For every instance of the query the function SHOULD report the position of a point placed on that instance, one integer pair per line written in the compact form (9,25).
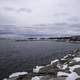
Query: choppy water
(23,56)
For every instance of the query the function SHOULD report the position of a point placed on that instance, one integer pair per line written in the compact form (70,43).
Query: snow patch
(77,59)
(17,74)
(72,76)
(62,67)
(36,70)
(36,78)
(54,61)
(71,62)
(65,66)
(62,74)
(67,56)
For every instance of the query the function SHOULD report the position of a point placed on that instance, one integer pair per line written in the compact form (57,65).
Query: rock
(49,70)
(15,78)
(73,63)
(78,79)
(58,78)
(47,77)
(52,78)
(25,77)
(77,70)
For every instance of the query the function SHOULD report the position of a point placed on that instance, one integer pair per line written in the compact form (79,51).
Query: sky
(52,17)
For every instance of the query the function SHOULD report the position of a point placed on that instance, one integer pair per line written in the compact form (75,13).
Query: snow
(36,70)
(17,74)
(71,61)
(62,74)
(77,59)
(65,66)
(72,76)
(73,67)
(54,61)
(36,78)
(60,66)
(67,56)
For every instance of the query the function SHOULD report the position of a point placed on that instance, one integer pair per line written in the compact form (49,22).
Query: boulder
(49,70)
(77,70)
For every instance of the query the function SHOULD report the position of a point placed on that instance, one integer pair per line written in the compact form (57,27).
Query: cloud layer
(55,17)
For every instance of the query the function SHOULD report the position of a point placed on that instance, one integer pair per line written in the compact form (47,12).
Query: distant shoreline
(62,39)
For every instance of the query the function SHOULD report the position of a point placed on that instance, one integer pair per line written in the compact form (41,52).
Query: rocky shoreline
(66,68)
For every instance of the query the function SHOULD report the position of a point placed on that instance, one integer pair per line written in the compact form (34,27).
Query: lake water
(23,56)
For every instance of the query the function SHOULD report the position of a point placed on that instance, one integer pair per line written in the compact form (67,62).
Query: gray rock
(74,63)
(78,79)
(77,70)
(52,78)
(49,70)
(25,77)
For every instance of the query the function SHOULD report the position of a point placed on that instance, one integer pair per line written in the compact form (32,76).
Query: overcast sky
(57,17)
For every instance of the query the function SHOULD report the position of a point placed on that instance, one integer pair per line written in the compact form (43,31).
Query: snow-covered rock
(54,61)
(65,66)
(36,78)
(5,79)
(62,67)
(60,73)
(74,67)
(36,70)
(72,76)
(17,74)
(77,59)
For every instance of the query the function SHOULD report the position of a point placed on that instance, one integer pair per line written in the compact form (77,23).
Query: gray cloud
(43,16)
(26,10)
(74,19)
(61,14)
(50,29)
(8,8)
(75,25)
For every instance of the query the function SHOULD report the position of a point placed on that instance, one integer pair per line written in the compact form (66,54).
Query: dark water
(23,56)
